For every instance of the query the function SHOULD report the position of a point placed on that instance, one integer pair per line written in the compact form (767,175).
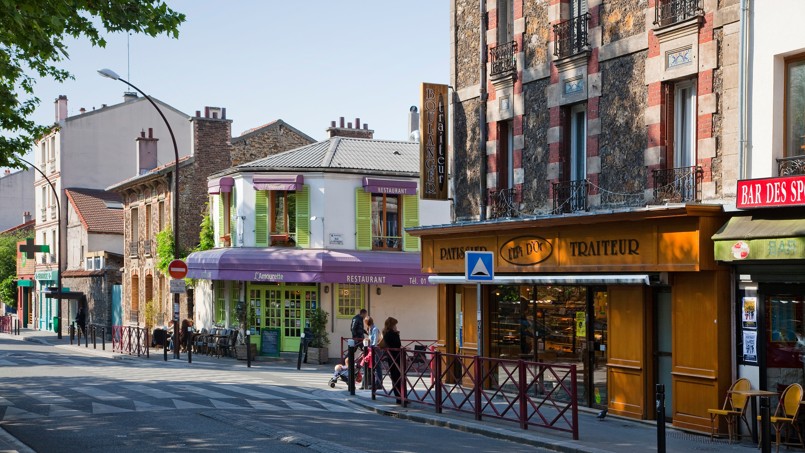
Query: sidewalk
(611,434)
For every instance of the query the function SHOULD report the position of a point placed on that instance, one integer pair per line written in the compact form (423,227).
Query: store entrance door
(662,352)
(287,308)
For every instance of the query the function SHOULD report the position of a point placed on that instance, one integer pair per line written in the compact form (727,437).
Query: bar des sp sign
(770,192)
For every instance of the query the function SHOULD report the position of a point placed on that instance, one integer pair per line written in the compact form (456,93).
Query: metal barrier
(9,324)
(406,344)
(131,340)
(529,393)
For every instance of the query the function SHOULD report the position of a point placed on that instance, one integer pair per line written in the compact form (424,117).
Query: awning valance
(278,182)
(222,185)
(759,238)
(389,186)
(571,279)
(307,266)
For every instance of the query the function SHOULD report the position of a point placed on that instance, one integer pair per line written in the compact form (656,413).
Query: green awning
(26,283)
(751,238)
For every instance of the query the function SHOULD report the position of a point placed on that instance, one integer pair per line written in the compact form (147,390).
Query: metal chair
(785,416)
(733,409)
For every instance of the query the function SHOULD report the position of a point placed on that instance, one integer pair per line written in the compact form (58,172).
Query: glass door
(662,353)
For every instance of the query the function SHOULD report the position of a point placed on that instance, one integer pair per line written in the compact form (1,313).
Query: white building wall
(107,242)
(776,33)
(16,197)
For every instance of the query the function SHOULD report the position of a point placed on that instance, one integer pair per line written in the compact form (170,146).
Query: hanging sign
(433,142)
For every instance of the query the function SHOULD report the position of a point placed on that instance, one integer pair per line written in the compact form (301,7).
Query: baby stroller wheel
(332,383)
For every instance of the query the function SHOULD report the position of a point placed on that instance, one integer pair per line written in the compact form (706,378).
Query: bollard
(351,360)
(86,339)
(765,425)
(94,338)
(103,337)
(78,336)
(249,350)
(301,348)
(72,333)
(660,418)
(189,348)
(165,349)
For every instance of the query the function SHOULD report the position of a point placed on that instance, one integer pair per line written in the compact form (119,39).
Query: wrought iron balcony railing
(677,185)
(134,250)
(570,36)
(791,166)
(503,59)
(570,196)
(669,12)
(504,203)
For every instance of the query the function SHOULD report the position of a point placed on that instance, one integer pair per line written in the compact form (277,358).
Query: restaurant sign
(433,142)
(526,250)
(760,249)
(771,192)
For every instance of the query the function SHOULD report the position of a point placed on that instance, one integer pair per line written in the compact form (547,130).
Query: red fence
(130,340)
(529,393)
(408,344)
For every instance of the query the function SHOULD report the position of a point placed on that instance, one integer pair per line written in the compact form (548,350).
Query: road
(59,399)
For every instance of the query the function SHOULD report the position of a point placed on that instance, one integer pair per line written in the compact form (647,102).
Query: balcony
(133,249)
(677,185)
(148,247)
(52,166)
(570,36)
(503,60)
(44,214)
(791,166)
(504,203)
(670,12)
(53,212)
(570,196)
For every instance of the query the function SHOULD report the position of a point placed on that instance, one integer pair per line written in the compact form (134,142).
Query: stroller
(341,372)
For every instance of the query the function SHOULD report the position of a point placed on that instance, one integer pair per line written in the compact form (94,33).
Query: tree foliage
(32,43)
(8,267)
(206,238)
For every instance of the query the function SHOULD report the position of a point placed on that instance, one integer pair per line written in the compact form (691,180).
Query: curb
(484,430)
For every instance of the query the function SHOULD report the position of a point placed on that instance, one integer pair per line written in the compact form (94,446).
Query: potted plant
(317,348)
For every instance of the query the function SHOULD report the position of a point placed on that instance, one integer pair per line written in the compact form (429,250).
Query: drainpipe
(482,112)
(743,70)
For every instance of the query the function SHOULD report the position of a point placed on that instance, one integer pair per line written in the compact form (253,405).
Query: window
(161,215)
(148,222)
(98,263)
(89,264)
(784,327)
(684,145)
(135,227)
(386,222)
(505,156)
(577,158)
(505,21)
(283,217)
(219,315)
(349,299)
(795,106)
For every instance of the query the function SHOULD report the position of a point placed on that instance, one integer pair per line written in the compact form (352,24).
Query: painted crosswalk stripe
(245,391)
(98,408)
(181,404)
(99,394)
(334,407)
(293,405)
(263,406)
(152,392)
(13,413)
(46,396)
(141,406)
(61,411)
(203,391)
(224,405)
(5,402)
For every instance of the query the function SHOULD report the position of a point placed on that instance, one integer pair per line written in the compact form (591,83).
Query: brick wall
(268,140)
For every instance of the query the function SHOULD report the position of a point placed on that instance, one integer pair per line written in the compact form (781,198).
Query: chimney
(413,124)
(129,96)
(146,152)
(7,172)
(61,108)
(214,113)
(82,110)
(349,131)
(26,217)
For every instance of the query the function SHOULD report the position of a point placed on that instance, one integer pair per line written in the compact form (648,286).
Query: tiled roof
(94,212)
(346,153)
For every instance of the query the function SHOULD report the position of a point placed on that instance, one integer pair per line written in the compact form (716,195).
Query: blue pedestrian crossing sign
(479,266)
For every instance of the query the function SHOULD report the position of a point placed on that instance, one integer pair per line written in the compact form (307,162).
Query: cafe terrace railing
(408,344)
(529,393)
(131,340)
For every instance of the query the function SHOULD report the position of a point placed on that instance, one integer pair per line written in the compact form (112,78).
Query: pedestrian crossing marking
(99,408)
(61,411)
(13,413)
(224,405)
(99,394)
(181,404)
(293,405)
(5,402)
(263,406)
(203,392)
(46,396)
(141,406)
(334,407)
(245,391)
(152,392)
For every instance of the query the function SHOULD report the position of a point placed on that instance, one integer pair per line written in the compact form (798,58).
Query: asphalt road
(53,399)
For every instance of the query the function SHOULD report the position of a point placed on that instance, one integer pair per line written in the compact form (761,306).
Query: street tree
(32,44)
(8,266)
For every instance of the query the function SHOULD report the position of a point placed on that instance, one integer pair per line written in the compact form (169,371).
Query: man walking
(357,325)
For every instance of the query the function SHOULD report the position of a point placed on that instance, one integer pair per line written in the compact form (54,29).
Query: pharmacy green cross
(29,248)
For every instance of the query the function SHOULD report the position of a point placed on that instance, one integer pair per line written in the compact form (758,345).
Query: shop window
(349,300)
(785,329)
(381,220)
(282,218)
(219,313)
(795,106)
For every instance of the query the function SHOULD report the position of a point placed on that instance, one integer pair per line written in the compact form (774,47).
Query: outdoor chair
(226,342)
(200,341)
(212,341)
(785,416)
(734,409)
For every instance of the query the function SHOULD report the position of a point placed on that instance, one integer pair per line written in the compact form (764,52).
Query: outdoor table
(753,394)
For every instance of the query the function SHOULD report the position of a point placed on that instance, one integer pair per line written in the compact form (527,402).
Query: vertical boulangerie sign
(433,142)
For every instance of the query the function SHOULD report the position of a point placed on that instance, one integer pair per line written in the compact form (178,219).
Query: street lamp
(108,73)
(59,249)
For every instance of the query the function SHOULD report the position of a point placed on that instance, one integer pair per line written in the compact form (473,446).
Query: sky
(307,63)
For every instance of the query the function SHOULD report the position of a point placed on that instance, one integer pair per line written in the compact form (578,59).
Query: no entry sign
(177,269)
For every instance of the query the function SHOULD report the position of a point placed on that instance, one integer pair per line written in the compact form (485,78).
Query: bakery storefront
(765,244)
(633,299)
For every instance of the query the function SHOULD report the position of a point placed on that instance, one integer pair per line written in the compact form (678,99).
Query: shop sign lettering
(367,279)
(268,277)
(613,247)
(785,191)
(457,253)
(526,250)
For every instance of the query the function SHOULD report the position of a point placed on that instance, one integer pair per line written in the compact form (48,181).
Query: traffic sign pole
(178,270)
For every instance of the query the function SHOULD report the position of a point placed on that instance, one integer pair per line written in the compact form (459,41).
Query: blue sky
(307,63)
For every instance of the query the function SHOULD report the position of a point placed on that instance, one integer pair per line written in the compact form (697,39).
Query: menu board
(270,342)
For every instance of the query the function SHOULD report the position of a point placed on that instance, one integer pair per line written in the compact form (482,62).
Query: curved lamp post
(59,255)
(108,73)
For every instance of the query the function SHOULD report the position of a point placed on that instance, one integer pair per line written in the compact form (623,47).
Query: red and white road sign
(177,269)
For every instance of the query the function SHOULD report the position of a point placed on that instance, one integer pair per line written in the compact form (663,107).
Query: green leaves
(32,35)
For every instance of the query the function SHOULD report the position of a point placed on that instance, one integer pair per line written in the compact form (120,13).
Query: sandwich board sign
(479,266)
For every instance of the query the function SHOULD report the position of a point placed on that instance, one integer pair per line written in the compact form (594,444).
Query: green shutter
(221,231)
(410,205)
(233,217)
(303,217)
(261,218)
(363,219)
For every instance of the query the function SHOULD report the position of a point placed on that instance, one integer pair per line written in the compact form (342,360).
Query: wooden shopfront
(632,299)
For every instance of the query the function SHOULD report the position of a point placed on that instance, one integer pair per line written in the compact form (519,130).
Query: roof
(21,227)
(108,108)
(276,123)
(93,208)
(153,173)
(344,153)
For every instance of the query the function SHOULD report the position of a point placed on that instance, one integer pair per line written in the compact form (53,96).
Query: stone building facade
(272,138)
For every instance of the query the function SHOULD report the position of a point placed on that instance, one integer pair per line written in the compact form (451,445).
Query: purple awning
(389,186)
(222,185)
(278,182)
(307,266)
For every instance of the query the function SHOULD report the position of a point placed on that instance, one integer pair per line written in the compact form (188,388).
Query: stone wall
(266,141)
(535,154)
(623,139)
(467,58)
(537,33)
(622,19)
(467,163)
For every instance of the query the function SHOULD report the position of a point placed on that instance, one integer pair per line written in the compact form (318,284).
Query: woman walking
(391,338)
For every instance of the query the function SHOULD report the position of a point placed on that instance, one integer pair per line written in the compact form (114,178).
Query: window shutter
(261,218)
(233,217)
(303,217)
(221,231)
(410,219)
(363,219)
